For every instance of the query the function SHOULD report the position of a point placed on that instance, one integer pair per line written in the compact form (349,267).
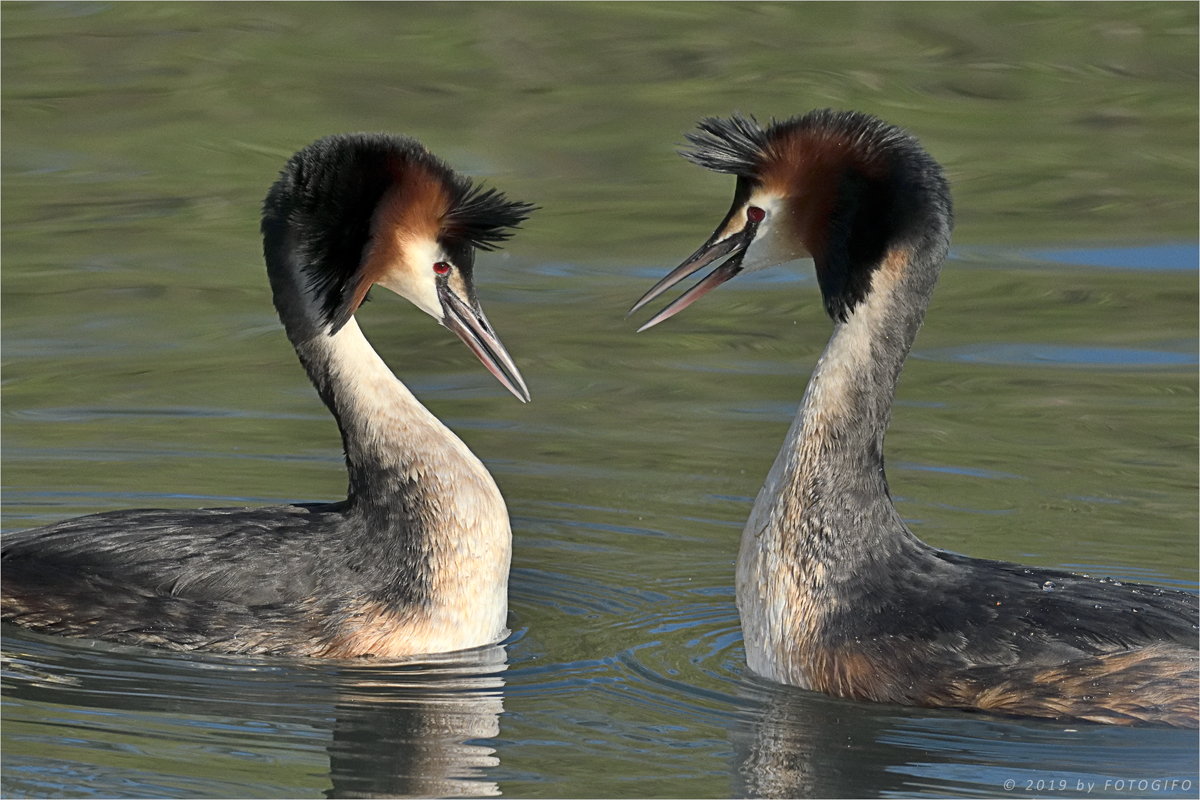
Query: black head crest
(869,189)
(482,217)
(735,146)
(317,217)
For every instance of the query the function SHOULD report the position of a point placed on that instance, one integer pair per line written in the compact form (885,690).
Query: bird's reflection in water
(793,743)
(790,742)
(416,727)
(411,730)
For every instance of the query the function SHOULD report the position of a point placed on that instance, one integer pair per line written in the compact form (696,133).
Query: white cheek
(414,280)
(771,248)
(772,244)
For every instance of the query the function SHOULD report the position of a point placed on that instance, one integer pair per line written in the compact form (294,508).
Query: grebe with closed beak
(415,559)
(834,592)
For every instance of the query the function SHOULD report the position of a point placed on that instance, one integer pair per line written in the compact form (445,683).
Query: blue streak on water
(968,471)
(1060,356)
(795,272)
(1176,257)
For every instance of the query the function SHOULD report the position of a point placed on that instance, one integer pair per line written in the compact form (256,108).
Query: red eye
(441,267)
(755,214)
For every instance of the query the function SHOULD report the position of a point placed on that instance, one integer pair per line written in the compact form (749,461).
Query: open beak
(715,248)
(467,320)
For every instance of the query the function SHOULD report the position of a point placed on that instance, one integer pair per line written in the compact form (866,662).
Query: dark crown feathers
(483,217)
(328,192)
(734,146)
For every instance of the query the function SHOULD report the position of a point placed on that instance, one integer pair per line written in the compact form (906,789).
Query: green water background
(143,364)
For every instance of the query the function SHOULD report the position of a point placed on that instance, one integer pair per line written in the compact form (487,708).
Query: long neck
(825,507)
(386,432)
(833,456)
(429,524)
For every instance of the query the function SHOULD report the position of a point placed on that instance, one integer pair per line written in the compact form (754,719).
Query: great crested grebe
(835,593)
(415,559)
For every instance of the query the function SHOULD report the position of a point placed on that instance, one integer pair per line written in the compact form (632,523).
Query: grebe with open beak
(834,592)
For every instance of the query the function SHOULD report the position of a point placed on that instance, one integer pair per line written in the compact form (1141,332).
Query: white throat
(469,543)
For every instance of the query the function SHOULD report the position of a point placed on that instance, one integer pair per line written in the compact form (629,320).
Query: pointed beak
(715,248)
(467,320)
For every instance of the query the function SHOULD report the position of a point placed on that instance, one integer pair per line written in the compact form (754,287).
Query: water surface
(1048,414)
